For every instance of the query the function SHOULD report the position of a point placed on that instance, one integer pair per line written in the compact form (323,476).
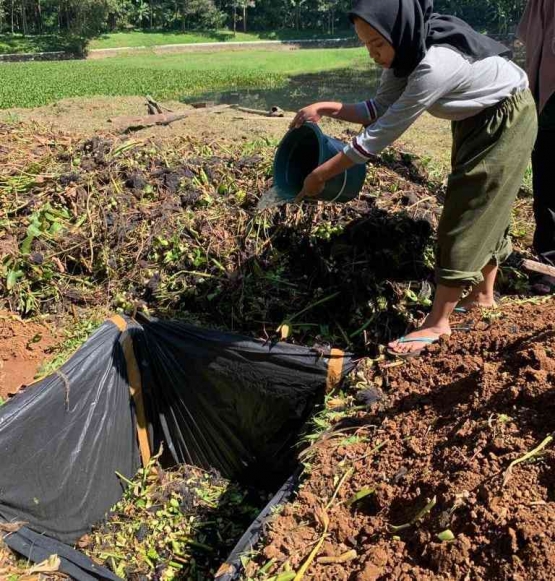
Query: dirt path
(101,53)
(23,348)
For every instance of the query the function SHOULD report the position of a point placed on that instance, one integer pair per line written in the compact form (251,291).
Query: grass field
(139,38)
(18,44)
(168,76)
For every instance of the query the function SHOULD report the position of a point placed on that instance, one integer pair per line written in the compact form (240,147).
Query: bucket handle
(342,187)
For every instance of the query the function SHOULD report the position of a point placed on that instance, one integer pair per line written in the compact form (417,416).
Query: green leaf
(244,561)
(55,228)
(284,330)
(446,535)
(263,570)
(419,516)
(286,576)
(362,493)
(13,277)
(34,230)
(26,245)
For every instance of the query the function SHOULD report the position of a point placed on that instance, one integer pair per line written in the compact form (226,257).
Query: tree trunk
(150,14)
(244,18)
(24,17)
(39,17)
(234,18)
(12,17)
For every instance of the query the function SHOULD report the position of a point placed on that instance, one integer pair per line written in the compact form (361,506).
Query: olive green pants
(491,152)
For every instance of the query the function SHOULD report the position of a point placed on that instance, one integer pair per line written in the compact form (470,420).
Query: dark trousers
(543,164)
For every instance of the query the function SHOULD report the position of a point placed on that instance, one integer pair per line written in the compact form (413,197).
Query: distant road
(191,47)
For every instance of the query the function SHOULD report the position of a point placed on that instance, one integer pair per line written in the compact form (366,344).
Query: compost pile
(172,524)
(179,523)
(448,472)
(171,228)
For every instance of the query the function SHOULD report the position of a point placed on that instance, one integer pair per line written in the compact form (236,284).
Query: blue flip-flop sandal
(426,340)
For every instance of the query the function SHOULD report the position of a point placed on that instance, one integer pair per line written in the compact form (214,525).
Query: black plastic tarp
(63,440)
(227,402)
(231,569)
(212,399)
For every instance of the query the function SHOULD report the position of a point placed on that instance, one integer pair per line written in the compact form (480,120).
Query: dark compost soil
(171,228)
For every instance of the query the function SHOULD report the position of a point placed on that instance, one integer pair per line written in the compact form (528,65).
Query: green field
(18,44)
(167,76)
(138,38)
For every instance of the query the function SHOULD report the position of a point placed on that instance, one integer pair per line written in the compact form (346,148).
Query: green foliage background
(89,18)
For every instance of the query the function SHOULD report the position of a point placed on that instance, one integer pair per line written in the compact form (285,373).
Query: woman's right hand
(310,114)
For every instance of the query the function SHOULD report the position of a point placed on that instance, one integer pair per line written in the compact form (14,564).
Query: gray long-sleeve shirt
(446,83)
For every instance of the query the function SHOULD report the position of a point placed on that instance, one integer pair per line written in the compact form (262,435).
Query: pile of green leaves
(172,230)
(180,523)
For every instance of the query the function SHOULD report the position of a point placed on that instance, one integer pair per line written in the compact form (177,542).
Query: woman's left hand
(312,187)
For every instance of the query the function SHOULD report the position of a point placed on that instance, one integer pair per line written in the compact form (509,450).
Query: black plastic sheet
(212,399)
(63,439)
(232,568)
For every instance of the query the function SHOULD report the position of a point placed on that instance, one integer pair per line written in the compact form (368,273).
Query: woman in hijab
(537,31)
(439,64)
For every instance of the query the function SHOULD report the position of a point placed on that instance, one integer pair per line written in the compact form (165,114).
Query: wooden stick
(135,123)
(152,104)
(273,112)
(533,266)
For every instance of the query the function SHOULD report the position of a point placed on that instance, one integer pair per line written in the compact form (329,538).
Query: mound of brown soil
(435,455)
(23,347)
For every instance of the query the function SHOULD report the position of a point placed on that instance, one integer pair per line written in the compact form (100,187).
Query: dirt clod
(453,439)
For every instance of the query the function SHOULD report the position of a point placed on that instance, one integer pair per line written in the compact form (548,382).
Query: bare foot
(474,300)
(411,344)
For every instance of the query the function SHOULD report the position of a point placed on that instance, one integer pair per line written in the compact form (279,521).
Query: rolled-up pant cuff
(458,278)
(465,278)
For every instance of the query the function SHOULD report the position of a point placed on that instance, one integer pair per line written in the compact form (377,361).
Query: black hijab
(412,27)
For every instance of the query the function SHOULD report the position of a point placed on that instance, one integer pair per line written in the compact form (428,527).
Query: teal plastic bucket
(301,151)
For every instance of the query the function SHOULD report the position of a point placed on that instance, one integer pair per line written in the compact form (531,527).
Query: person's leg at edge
(544,195)
(446,299)
(474,225)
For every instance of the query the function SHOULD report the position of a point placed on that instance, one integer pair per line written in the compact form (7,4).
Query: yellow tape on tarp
(119,322)
(136,389)
(335,369)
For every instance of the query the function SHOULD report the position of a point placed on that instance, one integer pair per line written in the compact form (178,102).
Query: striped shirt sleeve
(369,111)
(390,89)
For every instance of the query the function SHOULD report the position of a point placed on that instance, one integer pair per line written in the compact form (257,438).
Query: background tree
(90,17)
